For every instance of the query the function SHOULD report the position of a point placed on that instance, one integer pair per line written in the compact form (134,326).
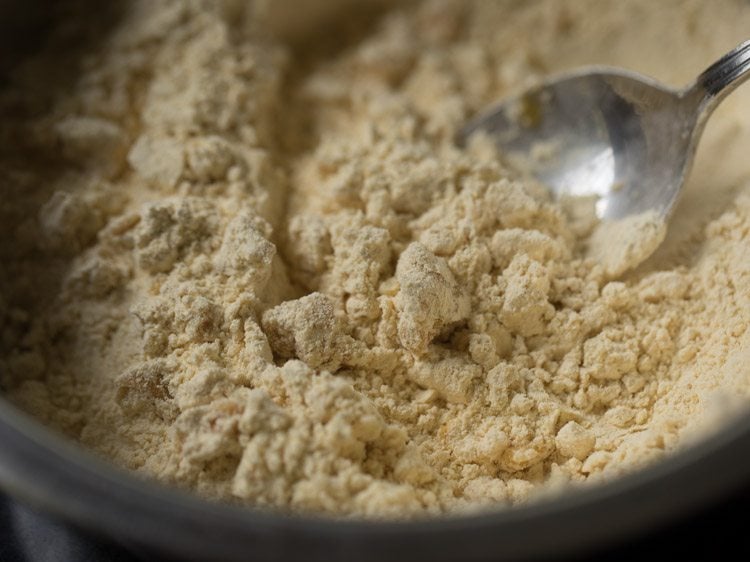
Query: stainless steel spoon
(611,133)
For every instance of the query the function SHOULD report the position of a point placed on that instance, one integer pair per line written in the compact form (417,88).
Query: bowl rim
(60,477)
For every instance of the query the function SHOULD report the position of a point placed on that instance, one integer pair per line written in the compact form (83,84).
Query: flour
(265,273)
(622,244)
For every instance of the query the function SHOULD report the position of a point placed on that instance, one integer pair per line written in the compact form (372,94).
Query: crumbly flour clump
(246,259)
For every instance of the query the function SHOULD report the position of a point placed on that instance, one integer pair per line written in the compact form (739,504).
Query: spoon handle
(723,77)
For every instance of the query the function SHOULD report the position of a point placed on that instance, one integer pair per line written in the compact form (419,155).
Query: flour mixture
(243,256)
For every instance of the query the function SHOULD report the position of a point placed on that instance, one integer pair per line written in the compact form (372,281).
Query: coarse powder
(246,258)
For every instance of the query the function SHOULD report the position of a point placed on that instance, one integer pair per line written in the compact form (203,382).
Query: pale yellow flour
(620,245)
(242,254)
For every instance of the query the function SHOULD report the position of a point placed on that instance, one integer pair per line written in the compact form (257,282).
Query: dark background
(720,532)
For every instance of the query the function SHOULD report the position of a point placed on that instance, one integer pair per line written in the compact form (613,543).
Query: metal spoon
(611,133)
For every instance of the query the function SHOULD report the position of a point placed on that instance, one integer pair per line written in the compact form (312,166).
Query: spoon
(616,135)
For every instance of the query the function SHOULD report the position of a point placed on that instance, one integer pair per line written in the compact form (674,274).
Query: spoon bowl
(612,134)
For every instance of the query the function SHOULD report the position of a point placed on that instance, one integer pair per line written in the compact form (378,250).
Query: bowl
(58,477)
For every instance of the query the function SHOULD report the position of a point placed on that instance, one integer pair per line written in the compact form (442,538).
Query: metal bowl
(39,467)
(58,477)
